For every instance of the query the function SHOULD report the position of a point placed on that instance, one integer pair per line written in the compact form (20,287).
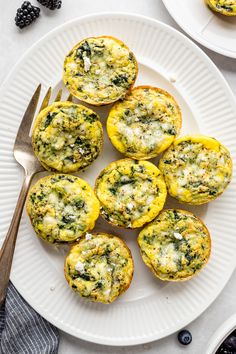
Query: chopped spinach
(91,118)
(119,184)
(83,50)
(49,118)
(66,219)
(120,80)
(171,131)
(79,203)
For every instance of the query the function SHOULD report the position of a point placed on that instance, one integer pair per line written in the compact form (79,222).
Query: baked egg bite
(197,169)
(176,245)
(225,7)
(62,208)
(99,267)
(67,137)
(131,192)
(100,70)
(145,123)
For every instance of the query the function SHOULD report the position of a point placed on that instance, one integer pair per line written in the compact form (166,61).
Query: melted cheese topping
(225,7)
(100,70)
(176,245)
(99,268)
(131,192)
(67,137)
(62,207)
(196,169)
(145,123)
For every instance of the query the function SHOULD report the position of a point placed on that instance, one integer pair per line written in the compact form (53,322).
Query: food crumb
(172,79)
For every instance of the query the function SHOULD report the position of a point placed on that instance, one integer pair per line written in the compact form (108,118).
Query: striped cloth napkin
(22,330)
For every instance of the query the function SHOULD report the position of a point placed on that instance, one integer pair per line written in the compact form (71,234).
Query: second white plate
(150,309)
(214,31)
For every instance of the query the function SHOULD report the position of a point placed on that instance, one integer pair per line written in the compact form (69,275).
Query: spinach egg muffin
(131,192)
(99,267)
(145,123)
(225,7)
(67,137)
(176,245)
(197,169)
(62,208)
(100,70)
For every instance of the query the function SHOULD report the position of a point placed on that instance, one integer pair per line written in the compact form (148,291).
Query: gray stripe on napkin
(24,331)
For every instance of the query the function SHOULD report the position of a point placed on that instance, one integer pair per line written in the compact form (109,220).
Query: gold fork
(24,155)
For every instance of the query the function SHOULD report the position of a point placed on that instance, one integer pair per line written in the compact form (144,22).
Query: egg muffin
(225,7)
(62,208)
(131,192)
(100,70)
(176,245)
(145,123)
(67,137)
(197,169)
(99,267)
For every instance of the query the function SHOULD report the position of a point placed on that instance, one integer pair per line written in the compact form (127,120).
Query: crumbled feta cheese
(81,150)
(150,199)
(53,198)
(150,106)
(178,236)
(130,206)
(107,292)
(172,79)
(72,217)
(49,220)
(97,72)
(72,66)
(88,236)
(68,209)
(87,63)
(79,267)
(72,145)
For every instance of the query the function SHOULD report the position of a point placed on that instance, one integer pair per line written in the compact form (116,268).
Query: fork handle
(8,247)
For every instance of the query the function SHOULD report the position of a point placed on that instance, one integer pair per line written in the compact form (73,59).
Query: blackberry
(26,14)
(51,4)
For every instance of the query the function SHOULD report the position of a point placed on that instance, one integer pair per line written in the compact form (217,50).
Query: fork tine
(24,129)
(58,97)
(46,99)
(70,98)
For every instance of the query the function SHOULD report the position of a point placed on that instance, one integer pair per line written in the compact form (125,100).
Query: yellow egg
(62,208)
(131,192)
(175,246)
(99,267)
(100,70)
(67,137)
(225,7)
(145,123)
(196,168)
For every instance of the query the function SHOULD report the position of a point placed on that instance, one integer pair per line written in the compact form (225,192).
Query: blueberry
(184,337)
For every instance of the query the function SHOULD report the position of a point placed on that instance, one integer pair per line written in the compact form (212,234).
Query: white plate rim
(197,38)
(45,314)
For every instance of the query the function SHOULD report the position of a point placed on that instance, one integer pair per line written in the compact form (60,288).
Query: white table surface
(13,44)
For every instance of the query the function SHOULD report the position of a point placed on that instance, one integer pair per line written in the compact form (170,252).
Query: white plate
(150,309)
(214,31)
